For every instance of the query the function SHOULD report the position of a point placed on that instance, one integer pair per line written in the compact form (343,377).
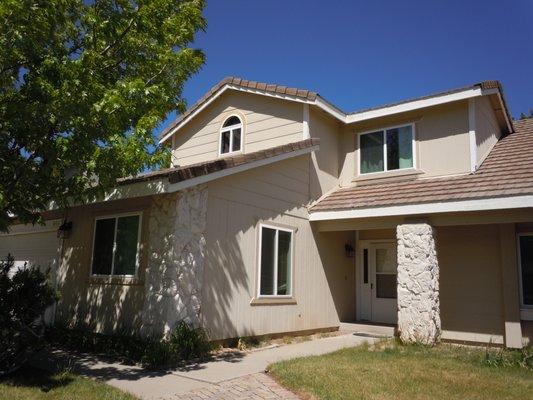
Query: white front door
(379,300)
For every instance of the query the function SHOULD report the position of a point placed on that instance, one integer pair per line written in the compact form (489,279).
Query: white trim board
(305,122)
(416,104)
(341,115)
(471,337)
(472,133)
(499,203)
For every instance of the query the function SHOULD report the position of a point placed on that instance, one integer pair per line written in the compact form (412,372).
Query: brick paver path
(250,387)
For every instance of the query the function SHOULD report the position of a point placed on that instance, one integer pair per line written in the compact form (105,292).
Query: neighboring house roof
(507,171)
(181,174)
(310,97)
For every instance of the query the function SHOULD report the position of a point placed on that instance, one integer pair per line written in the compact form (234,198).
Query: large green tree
(82,86)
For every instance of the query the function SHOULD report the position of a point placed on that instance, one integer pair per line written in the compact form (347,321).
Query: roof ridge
(488,84)
(312,96)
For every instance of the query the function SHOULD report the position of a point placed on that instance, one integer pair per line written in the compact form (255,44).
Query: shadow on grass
(35,378)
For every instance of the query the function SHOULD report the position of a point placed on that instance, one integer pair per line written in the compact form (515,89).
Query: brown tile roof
(311,96)
(179,174)
(243,83)
(507,171)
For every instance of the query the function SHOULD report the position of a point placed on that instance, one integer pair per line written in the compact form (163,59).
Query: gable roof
(507,171)
(313,98)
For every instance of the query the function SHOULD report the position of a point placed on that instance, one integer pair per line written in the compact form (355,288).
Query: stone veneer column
(174,273)
(418,284)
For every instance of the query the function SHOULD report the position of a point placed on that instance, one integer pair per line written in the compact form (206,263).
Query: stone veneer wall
(174,273)
(418,284)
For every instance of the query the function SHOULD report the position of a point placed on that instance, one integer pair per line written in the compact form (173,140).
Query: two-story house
(282,213)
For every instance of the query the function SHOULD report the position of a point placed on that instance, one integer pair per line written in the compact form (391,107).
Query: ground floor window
(116,245)
(525,252)
(275,261)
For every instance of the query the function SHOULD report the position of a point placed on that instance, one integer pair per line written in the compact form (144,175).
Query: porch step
(367,329)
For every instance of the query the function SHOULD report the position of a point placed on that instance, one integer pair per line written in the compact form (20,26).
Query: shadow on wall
(339,270)
(225,276)
(99,305)
(231,270)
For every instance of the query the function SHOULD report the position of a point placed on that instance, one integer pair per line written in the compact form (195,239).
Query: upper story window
(116,245)
(231,135)
(386,149)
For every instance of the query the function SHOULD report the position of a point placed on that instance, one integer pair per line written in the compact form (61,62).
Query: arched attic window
(231,135)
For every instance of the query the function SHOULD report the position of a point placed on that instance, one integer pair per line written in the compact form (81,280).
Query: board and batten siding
(268,122)
(276,194)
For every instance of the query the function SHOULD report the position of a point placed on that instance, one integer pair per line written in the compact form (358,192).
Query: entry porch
(464,277)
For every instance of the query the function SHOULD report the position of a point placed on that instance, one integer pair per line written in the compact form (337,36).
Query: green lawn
(32,384)
(392,371)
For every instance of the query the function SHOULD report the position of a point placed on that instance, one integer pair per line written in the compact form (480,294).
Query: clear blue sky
(360,54)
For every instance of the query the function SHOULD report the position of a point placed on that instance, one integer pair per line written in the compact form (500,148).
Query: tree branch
(122,35)
(149,81)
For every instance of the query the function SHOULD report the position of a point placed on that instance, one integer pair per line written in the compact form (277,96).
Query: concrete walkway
(211,374)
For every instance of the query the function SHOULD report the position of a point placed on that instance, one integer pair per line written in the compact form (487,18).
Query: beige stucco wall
(442,141)
(470,279)
(100,305)
(326,161)
(486,126)
(268,122)
(276,194)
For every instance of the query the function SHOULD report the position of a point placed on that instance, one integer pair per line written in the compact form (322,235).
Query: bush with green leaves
(188,342)
(183,343)
(25,294)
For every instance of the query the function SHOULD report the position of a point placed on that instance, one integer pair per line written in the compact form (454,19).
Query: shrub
(24,296)
(122,345)
(183,343)
(508,358)
(188,342)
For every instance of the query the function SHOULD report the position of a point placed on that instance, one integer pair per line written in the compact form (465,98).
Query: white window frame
(383,132)
(522,305)
(277,228)
(116,217)
(230,129)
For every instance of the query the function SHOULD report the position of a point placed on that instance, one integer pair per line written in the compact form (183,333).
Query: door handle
(371,286)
